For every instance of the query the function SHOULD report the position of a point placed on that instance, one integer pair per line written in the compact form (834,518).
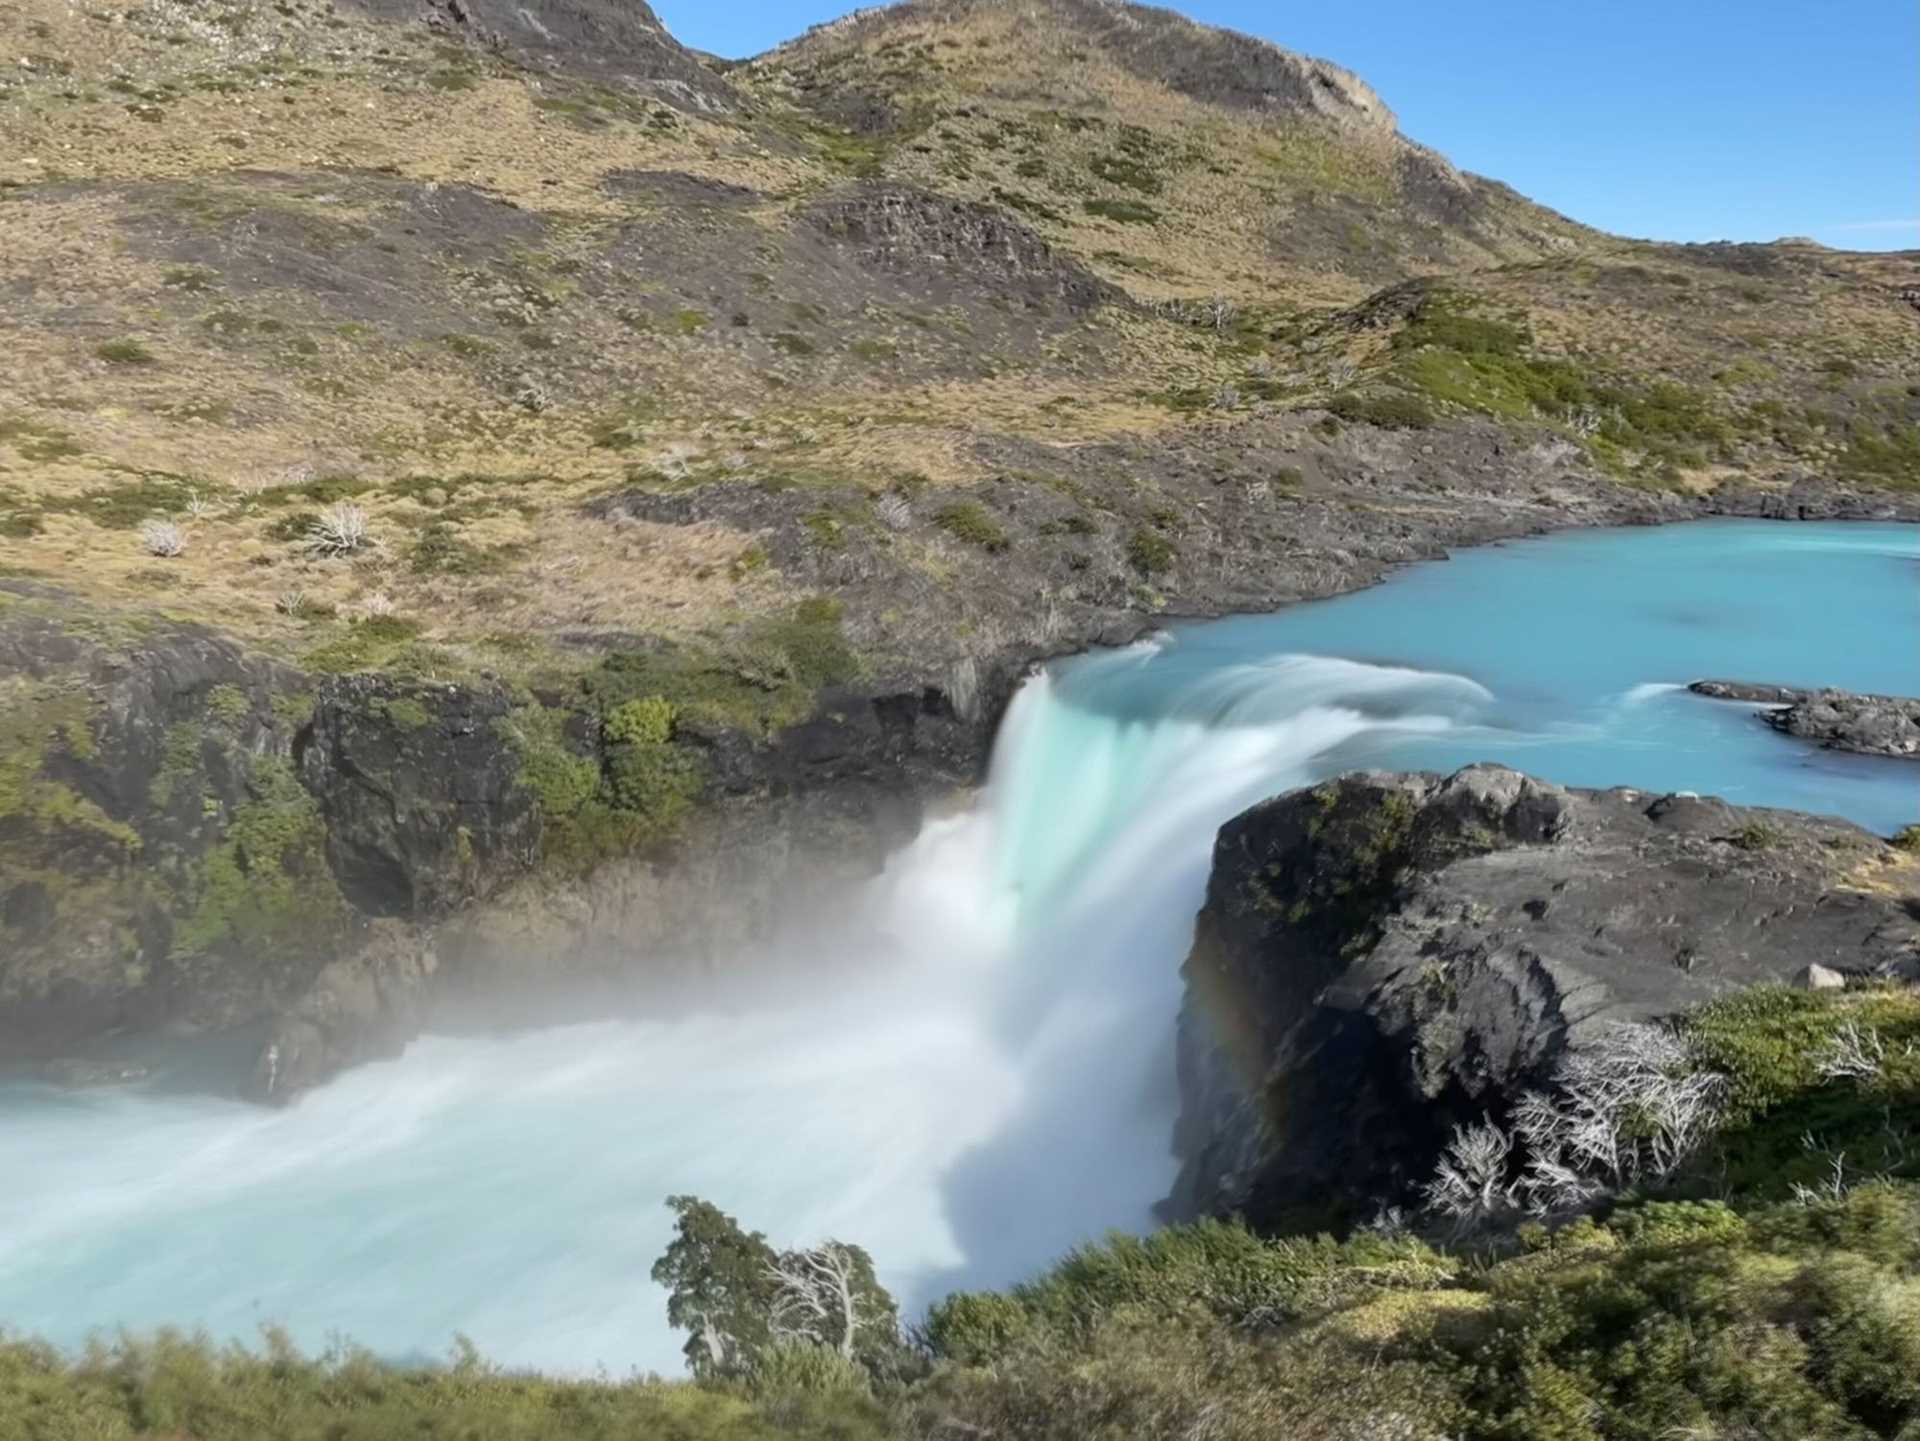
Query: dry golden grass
(226,115)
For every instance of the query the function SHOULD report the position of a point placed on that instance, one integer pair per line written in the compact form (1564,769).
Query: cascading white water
(993,1085)
(991,1082)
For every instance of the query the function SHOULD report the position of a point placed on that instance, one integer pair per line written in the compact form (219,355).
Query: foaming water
(991,1081)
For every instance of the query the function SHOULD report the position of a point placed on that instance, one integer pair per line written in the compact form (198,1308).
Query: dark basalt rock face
(1835,720)
(1383,957)
(127,754)
(421,793)
(204,851)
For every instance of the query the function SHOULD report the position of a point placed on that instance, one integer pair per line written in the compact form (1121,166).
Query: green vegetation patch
(36,442)
(1392,410)
(1127,171)
(1127,212)
(377,643)
(38,722)
(124,352)
(172,1386)
(1453,355)
(1149,552)
(267,888)
(970,521)
(1772,1044)
(125,505)
(616,761)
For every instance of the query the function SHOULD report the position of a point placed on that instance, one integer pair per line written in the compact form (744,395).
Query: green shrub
(267,889)
(804,1367)
(1150,553)
(1125,171)
(647,720)
(968,520)
(1391,410)
(1127,212)
(976,1328)
(125,506)
(124,352)
(172,1386)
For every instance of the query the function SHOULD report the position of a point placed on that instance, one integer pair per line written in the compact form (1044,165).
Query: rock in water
(1837,720)
(1385,956)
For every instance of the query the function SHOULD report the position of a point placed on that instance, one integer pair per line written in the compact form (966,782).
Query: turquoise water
(987,1077)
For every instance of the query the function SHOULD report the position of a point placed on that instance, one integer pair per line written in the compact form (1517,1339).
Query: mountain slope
(1177,154)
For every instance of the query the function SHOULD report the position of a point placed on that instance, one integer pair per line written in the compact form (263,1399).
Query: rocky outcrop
(611,40)
(1383,957)
(904,228)
(145,786)
(1835,720)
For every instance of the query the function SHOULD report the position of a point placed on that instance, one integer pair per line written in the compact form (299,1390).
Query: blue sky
(1671,119)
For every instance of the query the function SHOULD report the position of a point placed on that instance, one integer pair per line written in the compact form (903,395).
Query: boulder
(1386,956)
(1820,978)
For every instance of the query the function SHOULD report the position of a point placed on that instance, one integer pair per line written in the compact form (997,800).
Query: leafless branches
(1632,1106)
(340,529)
(1471,1182)
(817,1297)
(1853,1054)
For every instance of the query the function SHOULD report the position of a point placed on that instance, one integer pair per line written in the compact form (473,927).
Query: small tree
(747,1308)
(719,1288)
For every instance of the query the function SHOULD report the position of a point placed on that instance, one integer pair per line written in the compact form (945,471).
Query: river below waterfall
(996,1084)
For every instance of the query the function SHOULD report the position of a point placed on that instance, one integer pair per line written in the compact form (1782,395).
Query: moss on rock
(267,886)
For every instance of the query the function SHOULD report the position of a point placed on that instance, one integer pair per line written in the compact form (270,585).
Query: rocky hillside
(504,386)
(1384,958)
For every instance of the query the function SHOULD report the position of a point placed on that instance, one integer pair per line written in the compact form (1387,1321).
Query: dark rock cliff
(197,842)
(1383,957)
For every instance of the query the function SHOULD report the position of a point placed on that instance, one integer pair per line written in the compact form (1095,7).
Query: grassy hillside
(265,259)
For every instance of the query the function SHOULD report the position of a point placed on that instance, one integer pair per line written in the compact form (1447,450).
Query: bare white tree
(340,529)
(893,511)
(1221,313)
(817,1297)
(1470,1185)
(1633,1105)
(162,537)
